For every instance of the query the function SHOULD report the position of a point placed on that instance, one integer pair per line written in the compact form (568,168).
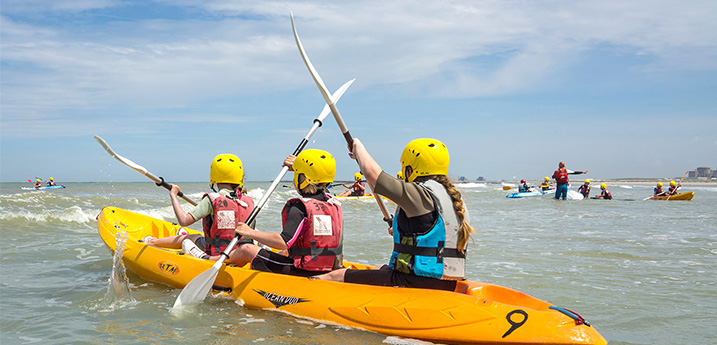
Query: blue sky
(622,89)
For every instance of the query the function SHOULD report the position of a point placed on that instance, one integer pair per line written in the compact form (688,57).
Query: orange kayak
(476,313)
(681,196)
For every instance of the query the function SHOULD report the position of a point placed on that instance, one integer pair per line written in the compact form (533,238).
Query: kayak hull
(681,196)
(477,313)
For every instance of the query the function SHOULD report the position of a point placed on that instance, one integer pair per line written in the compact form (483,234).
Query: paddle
(339,120)
(680,184)
(507,187)
(198,288)
(140,169)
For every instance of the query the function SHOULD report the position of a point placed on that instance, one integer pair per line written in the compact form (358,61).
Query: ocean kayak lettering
(168,267)
(280,300)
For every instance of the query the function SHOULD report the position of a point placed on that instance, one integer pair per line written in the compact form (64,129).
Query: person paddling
(430,229)
(311,225)
(51,182)
(605,193)
(546,184)
(38,184)
(356,189)
(524,188)
(658,190)
(585,189)
(561,179)
(220,211)
(673,188)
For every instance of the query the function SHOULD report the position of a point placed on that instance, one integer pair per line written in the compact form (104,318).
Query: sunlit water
(642,272)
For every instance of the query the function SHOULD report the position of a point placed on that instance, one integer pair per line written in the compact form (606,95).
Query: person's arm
(271,239)
(368,165)
(183,218)
(570,172)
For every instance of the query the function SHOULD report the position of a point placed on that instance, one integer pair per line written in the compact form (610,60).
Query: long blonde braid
(465,230)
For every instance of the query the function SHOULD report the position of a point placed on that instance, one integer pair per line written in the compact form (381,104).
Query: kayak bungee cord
(198,288)
(339,120)
(140,169)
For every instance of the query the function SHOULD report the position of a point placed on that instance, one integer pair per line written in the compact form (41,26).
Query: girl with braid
(430,229)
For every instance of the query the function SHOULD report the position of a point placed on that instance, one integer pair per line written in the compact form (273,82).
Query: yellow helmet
(659,184)
(672,183)
(226,168)
(547,179)
(399,175)
(425,157)
(38,180)
(358,176)
(587,181)
(603,186)
(318,166)
(52,179)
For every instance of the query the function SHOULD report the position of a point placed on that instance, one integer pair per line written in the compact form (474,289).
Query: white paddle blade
(197,289)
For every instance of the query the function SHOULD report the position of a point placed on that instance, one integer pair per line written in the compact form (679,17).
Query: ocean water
(641,272)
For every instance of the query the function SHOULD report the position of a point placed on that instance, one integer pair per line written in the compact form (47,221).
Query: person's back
(312,224)
(430,221)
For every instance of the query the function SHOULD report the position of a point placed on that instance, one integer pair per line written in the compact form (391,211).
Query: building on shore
(702,173)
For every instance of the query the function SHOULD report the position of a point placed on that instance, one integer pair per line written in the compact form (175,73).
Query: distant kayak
(525,194)
(362,197)
(43,188)
(681,196)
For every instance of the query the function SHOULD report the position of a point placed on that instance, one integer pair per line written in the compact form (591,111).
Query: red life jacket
(357,187)
(562,176)
(219,230)
(318,241)
(606,194)
(584,190)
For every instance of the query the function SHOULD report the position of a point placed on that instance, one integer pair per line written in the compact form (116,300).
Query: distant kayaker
(38,183)
(431,221)
(546,184)
(51,182)
(605,193)
(658,190)
(585,189)
(221,211)
(311,225)
(673,188)
(524,188)
(356,189)
(561,180)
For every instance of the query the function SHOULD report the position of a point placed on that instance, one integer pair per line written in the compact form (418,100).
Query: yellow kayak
(681,196)
(362,197)
(476,313)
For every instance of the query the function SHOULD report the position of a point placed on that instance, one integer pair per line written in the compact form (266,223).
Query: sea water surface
(641,272)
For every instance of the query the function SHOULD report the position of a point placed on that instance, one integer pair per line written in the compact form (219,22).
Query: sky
(618,88)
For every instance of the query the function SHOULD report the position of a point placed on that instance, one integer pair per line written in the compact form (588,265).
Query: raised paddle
(198,288)
(680,184)
(507,187)
(339,120)
(140,169)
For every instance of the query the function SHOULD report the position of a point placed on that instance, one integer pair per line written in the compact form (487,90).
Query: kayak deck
(476,313)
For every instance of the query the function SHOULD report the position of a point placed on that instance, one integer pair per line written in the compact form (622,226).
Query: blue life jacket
(433,253)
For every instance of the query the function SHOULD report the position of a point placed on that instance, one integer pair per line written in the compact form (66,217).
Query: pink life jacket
(219,230)
(318,240)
